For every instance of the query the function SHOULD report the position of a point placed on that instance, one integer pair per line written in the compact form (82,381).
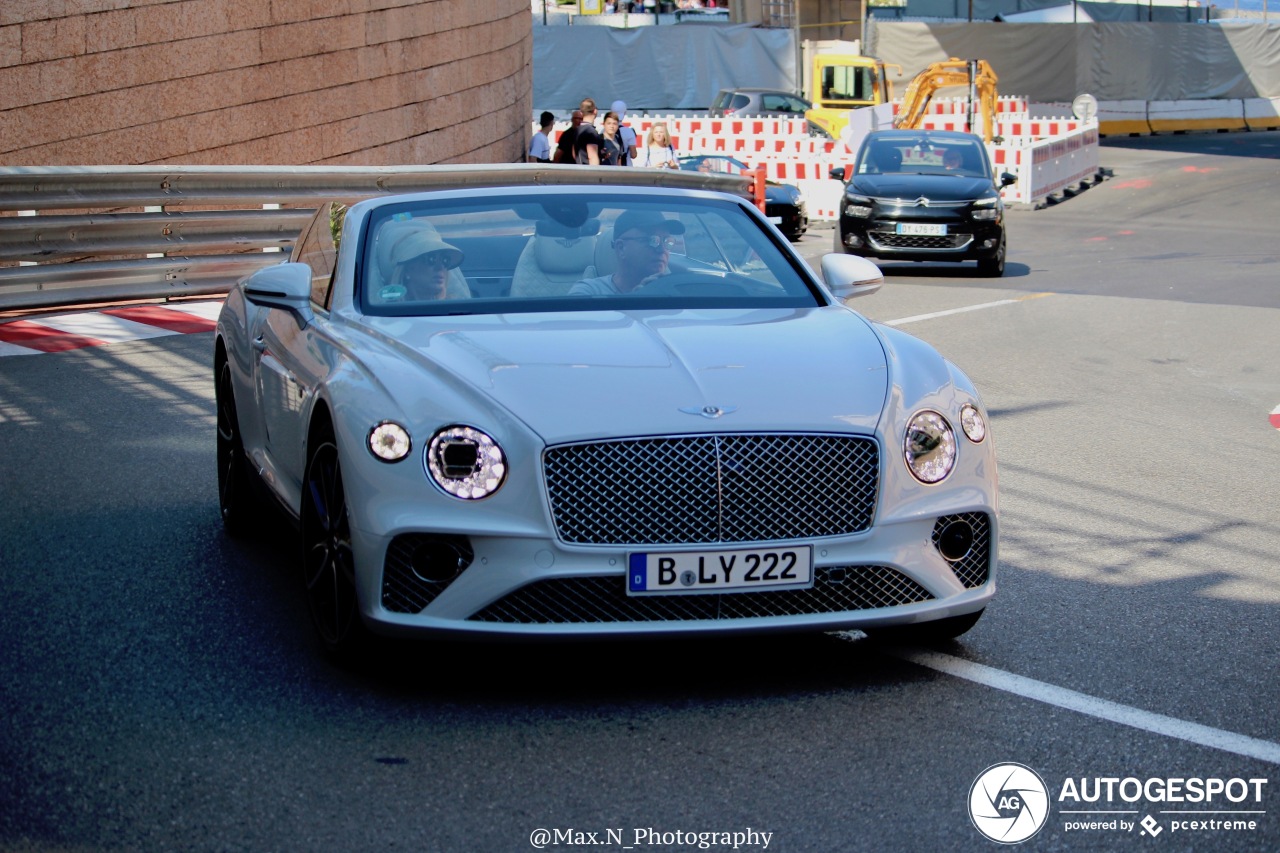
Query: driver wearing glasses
(642,244)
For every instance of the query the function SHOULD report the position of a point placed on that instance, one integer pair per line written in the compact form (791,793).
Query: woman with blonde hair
(658,152)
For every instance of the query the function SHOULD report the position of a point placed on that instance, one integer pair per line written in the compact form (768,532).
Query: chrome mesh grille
(604,599)
(712,489)
(973,569)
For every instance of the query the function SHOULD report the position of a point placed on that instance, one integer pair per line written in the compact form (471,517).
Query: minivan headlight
(986,209)
(859,207)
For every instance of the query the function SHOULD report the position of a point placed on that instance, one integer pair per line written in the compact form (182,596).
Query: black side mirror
(1006,179)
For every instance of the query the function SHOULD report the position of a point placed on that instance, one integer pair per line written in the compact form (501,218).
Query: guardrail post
(152,208)
(27,213)
(276,206)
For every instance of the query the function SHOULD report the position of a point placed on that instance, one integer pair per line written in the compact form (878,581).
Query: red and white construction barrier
(1048,156)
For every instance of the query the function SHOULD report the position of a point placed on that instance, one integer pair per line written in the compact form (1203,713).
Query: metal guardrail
(84,233)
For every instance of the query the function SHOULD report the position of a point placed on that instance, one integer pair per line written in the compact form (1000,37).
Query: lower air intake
(558,601)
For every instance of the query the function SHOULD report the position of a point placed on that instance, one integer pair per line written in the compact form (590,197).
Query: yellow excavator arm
(953,72)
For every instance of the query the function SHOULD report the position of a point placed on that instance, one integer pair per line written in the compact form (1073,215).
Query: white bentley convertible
(577,410)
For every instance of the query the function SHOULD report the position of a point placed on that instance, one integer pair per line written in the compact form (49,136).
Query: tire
(328,565)
(993,267)
(239,501)
(937,631)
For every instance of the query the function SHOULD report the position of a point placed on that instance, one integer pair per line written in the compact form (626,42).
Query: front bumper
(793,219)
(877,237)
(891,575)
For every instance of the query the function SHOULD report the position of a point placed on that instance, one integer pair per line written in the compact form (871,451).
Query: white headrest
(605,261)
(563,254)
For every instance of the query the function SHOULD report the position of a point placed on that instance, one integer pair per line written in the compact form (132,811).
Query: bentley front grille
(712,488)
(558,601)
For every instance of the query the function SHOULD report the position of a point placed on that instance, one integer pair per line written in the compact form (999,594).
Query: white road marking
(207,310)
(14,349)
(1103,709)
(936,314)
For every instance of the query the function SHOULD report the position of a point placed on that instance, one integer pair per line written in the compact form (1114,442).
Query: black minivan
(924,195)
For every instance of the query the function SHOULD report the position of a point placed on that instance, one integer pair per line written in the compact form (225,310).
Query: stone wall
(272,82)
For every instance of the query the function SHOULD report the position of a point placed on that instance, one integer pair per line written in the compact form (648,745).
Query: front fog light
(389,442)
(929,447)
(972,422)
(465,462)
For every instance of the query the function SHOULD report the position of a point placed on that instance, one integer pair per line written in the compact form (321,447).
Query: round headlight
(389,442)
(929,447)
(972,422)
(465,462)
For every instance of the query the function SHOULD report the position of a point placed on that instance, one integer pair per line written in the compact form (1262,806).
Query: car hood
(605,374)
(933,187)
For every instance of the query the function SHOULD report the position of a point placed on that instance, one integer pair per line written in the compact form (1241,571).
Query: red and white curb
(63,332)
(1275,417)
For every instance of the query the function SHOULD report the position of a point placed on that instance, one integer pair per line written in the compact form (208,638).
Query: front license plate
(922,229)
(717,571)
(776,220)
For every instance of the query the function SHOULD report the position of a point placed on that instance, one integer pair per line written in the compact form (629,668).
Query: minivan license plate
(668,573)
(922,229)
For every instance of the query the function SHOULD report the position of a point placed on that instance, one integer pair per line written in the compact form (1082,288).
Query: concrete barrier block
(1122,118)
(1216,114)
(1262,113)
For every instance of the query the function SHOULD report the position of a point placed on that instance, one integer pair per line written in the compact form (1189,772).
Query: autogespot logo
(1008,803)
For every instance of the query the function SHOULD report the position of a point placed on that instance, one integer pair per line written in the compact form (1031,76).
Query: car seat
(555,257)
(384,269)
(606,261)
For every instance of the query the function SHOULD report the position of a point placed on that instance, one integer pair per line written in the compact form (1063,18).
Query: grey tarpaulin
(677,67)
(1112,61)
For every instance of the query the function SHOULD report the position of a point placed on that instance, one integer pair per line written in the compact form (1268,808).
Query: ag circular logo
(1008,803)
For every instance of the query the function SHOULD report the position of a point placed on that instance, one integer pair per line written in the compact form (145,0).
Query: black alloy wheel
(237,500)
(328,565)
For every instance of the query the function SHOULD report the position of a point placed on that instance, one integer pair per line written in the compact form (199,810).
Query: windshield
(848,83)
(565,251)
(921,155)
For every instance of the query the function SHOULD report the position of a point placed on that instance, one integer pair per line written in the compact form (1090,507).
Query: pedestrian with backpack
(613,151)
(625,130)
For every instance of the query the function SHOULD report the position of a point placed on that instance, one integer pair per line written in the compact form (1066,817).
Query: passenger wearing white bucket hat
(420,263)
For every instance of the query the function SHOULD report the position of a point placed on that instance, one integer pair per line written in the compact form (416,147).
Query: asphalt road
(159,688)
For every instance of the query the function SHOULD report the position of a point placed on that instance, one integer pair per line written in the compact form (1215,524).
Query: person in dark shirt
(613,151)
(587,143)
(565,152)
